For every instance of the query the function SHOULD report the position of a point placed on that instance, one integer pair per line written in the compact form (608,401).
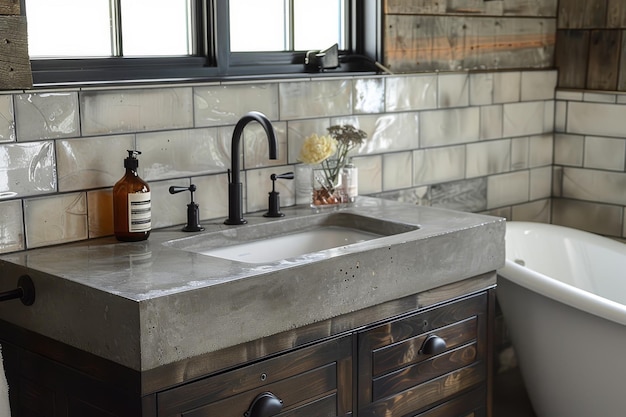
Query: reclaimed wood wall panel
(621,78)
(533,8)
(572,57)
(616,14)
(603,60)
(10,7)
(591,44)
(15,71)
(582,14)
(452,43)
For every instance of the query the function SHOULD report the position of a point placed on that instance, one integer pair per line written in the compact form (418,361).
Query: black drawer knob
(264,405)
(433,345)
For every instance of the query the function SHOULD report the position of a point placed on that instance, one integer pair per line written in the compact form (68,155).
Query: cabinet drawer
(398,375)
(313,381)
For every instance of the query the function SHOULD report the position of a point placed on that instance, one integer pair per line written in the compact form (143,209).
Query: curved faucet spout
(235,198)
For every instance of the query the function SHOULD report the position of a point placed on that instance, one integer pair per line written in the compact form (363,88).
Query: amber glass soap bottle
(132,214)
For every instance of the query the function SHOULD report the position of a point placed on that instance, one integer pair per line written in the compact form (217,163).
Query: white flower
(317,149)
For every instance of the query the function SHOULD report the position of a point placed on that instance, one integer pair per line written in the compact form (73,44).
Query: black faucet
(235,199)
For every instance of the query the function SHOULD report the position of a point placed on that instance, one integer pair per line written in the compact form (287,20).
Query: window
(106,28)
(129,40)
(287,25)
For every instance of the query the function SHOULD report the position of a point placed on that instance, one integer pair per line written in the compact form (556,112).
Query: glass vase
(326,189)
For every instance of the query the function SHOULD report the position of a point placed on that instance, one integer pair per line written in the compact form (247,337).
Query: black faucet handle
(193,211)
(285,176)
(274,199)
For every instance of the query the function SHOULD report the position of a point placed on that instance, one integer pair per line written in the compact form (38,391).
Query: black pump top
(131,162)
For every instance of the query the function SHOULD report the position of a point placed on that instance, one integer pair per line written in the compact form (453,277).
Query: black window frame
(215,61)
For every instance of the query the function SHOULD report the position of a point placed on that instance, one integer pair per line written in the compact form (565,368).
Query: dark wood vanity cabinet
(313,381)
(431,363)
(426,355)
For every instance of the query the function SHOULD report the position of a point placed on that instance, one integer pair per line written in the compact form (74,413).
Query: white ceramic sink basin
(291,245)
(289,237)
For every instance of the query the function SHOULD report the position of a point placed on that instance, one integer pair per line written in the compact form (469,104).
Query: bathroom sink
(290,237)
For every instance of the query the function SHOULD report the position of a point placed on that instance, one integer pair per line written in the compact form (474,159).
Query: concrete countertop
(146,304)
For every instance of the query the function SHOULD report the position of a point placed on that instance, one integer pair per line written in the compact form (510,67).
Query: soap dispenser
(132,214)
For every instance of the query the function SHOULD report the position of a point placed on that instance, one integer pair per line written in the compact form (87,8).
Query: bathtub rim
(560,291)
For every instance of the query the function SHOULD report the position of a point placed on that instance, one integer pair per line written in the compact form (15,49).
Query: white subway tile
(46,115)
(397,170)
(414,92)
(11,226)
(535,211)
(541,150)
(255,146)
(605,153)
(481,89)
(169,209)
(560,116)
(569,95)
(212,196)
(508,189)
(368,95)
(431,166)
(568,149)
(592,185)
(225,104)
(370,174)
(540,183)
(92,162)
(506,87)
(596,119)
(57,219)
(488,158)
(520,153)
(27,169)
(183,153)
(7,121)
(453,90)
(538,85)
(448,127)
(599,97)
(491,122)
(107,111)
(308,99)
(259,184)
(522,119)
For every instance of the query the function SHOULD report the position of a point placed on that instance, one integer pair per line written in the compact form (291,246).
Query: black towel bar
(25,291)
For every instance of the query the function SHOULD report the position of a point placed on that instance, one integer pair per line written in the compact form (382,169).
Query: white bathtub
(566,313)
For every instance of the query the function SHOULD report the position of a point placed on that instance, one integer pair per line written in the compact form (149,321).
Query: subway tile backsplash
(479,142)
(589,190)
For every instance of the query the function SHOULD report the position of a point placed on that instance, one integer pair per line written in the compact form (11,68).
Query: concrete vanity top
(147,304)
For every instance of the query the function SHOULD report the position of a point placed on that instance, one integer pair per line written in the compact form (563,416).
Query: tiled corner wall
(590,161)
(479,142)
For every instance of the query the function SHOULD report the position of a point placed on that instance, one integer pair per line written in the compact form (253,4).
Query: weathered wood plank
(15,71)
(582,14)
(616,14)
(427,43)
(536,8)
(621,78)
(571,57)
(9,7)
(532,8)
(603,67)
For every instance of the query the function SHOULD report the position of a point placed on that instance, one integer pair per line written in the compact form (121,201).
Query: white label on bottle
(139,212)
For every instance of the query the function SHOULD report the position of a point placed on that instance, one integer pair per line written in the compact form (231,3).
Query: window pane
(64,28)
(258,25)
(319,24)
(156,27)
